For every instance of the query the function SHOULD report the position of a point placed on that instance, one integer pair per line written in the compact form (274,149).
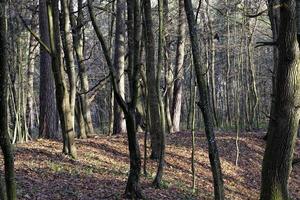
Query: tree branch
(38,39)
(100,37)
(261,44)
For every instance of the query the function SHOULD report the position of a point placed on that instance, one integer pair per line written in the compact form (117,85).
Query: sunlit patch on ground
(102,168)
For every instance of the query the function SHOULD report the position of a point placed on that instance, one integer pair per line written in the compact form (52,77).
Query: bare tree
(204,103)
(5,142)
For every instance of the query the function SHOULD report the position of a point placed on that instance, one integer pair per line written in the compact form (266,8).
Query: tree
(48,117)
(179,68)
(134,40)
(285,113)
(204,103)
(65,101)
(154,126)
(119,64)
(162,119)
(83,103)
(5,142)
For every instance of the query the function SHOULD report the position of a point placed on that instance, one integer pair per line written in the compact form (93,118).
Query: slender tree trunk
(63,98)
(212,82)
(78,40)
(162,132)
(285,112)
(119,63)
(204,104)
(151,79)
(179,68)
(168,98)
(112,98)
(48,117)
(134,27)
(193,98)
(5,143)
(30,90)
(228,68)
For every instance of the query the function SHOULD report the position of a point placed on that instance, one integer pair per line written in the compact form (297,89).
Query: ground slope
(102,167)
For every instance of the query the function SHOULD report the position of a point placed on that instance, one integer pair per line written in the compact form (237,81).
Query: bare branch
(38,39)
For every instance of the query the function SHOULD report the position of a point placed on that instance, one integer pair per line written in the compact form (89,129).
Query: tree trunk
(30,81)
(204,103)
(119,63)
(285,114)
(48,117)
(168,98)
(162,120)
(134,27)
(64,106)
(151,81)
(179,69)
(78,40)
(5,143)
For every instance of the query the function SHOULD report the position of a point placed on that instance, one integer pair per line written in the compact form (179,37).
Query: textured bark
(87,127)
(63,98)
(151,81)
(30,115)
(285,112)
(119,64)
(67,41)
(162,132)
(168,66)
(179,69)
(5,143)
(48,117)
(82,132)
(204,103)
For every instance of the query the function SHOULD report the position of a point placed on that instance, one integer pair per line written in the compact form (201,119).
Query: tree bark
(78,40)
(119,64)
(63,98)
(162,119)
(151,81)
(30,115)
(204,103)
(48,117)
(5,143)
(179,68)
(285,111)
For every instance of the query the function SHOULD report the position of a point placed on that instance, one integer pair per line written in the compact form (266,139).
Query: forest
(150,99)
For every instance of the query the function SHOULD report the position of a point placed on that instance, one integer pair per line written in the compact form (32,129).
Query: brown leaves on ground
(101,170)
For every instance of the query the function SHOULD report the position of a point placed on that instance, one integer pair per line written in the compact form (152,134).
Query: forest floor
(101,170)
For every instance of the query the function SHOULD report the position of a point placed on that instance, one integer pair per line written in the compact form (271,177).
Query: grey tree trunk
(30,115)
(83,104)
(179,68)
(63,98)
(119,63)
